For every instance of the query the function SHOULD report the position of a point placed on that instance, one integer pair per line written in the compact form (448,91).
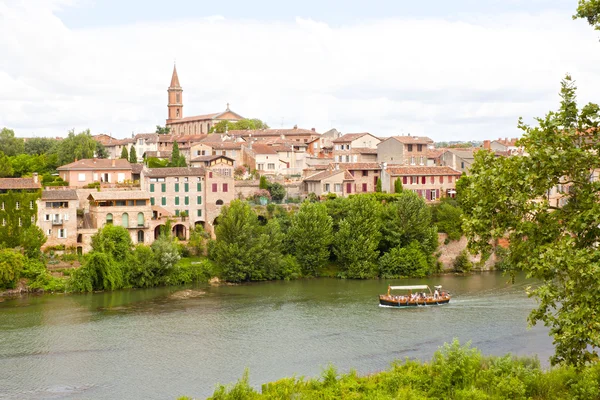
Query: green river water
(143,344)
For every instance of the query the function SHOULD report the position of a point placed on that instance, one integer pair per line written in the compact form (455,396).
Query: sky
(449,70)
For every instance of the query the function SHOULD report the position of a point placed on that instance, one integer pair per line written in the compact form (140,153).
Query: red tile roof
(364,150)
(396,170)
(412,139)
(174,171)
(263,149)
(349,137)
(96,164)
(328,174)
(18,183)
(360,166)
(273,132)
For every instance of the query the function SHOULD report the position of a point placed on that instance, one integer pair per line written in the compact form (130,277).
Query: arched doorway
(179,231)
(200,223)
(216,221)
(140,236)
(157,231)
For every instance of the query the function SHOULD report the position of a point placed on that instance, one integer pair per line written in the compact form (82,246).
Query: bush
(462,263)
(402,262)
(11,265)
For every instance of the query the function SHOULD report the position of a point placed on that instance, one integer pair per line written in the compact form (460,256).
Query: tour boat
(410,299)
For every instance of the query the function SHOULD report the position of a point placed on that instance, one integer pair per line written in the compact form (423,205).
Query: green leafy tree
(99,272)
(25,164)
(401,262)
(101,151)
(310,236)
(177,160)
(277,191)
(38,146)
(11,265)
(133,155)
(553,241)
(75,146)
(166,251)
(197,242)
(448,217)
(590,11)
(113,241)
(378,185)
(6,168)
(124,153)
(154,162)
(32,240)
(398,186)
(264,183)
(163,130)
(462,263)
(142,268)
(244,124)
(356,242)
(9,144)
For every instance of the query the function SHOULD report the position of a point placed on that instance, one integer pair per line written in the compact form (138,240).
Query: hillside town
(220,167)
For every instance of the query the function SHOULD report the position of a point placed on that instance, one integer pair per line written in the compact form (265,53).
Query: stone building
(195,125)
(57,217)
(355,147)
(18,207)
(431,183)
(406,150)
(83,172)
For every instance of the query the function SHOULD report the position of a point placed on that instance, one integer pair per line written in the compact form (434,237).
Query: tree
(163,130)
(402,262)
(142,268)
(310,236)
(448,217)
(74,146)
(509,197)
(166,250)
(37,146)
(378,185)
(264,183)
(32,240)
(243,124)
(132,155)
(462,263)
(356,242)
(9,144)
(124,153)
(398,186)
(590,11)
(6,168)
(11,265)
(113,241)
(277,191)
(101,151)
(177,160)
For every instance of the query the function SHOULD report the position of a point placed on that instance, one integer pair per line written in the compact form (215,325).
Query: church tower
(175,91)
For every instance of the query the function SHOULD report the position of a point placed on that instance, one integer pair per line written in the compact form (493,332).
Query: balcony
(57,222)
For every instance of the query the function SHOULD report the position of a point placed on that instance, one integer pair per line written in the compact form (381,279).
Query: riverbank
(454,372)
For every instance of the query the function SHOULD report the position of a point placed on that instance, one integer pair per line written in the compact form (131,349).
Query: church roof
(175,78)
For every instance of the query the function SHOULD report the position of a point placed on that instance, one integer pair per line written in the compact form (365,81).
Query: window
(47,217)
(432,180)
(140,220)
(163,201)
(18,205)
(198,187)
(81,177)
(214,187)
(462,164)
(225,187)
(176,200)
(186,200)
(315,145)
(140,202)
(422,180)
(419,147)
(347,158)
(412,161)
(270,166)
(199,200)
(404,180)
(33,219)
(62,233)
(355,158)
(365,173)
(31,204)
(140,236)
(441,179)
(177,187)
(219,202)
(364,187)
(109,218)
(409,146)
(125,220)
(186,186)
(152,188)
(49,232)
(422,160)
(450,179)
(186,179)
(151,201)
(199,213)
(163,187)
(337,187)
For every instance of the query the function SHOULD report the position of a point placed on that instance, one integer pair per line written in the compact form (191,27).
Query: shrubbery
(455,372)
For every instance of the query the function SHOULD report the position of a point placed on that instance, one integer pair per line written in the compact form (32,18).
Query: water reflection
(145,344)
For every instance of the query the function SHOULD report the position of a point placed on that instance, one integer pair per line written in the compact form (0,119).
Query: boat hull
(399,304)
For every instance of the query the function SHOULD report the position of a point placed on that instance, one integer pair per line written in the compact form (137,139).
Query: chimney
(486,144)
(313,129)
(295,126)
(35,177)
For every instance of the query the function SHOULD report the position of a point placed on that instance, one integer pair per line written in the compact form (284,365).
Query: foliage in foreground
(553,240)
(455,372)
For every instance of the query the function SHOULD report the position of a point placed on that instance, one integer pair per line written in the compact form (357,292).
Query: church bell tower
(175,91)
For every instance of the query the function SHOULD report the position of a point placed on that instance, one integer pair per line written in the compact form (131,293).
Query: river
(143,344)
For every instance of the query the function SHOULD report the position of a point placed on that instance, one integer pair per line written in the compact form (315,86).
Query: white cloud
(448,79)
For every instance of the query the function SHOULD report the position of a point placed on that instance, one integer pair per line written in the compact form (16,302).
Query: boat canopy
(415,287)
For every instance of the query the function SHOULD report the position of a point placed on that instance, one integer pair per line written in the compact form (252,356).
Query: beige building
(127,208)
(406,150)
(57,217)
(365,175)
(337,181)
(192,196)
(83,172)
(295,134)
(355,147)
(458,159)
(431,183)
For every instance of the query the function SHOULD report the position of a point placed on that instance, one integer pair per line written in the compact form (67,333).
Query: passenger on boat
(436,294)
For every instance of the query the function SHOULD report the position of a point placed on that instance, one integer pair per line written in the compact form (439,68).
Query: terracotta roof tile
(262,149)
(137,168)
(174,171)
(60,194)
(96,164)
(412,139)
(360,166)
(397,170)
(273,132)
(18,183)
(158,154)
(349,137)
(364,150)
(119,195)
